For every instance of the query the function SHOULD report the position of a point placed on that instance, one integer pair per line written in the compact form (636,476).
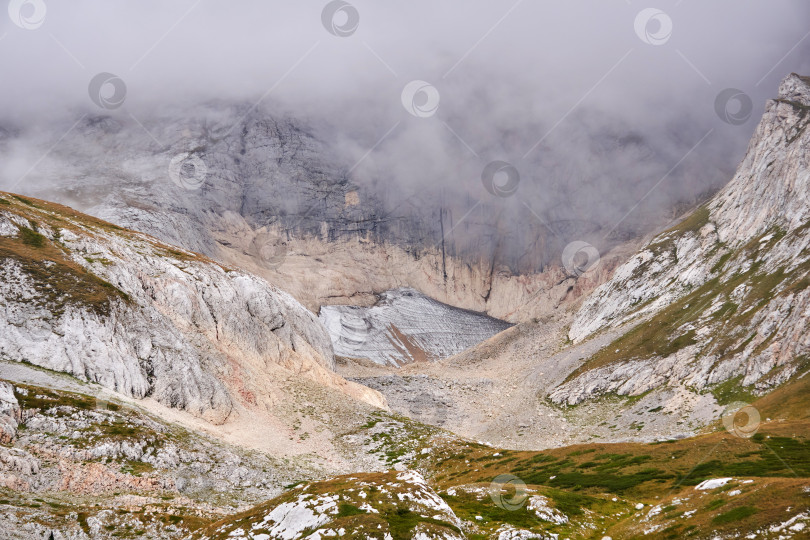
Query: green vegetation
(732,390)
(25,201)
(402,521)
(31,238)
(346,509)
(735,515)
(693,223)
(715,504)
(777,456)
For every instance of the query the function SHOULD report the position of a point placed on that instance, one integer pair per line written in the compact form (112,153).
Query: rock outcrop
(146,319)
(362,505)
(9,413)
(724,295)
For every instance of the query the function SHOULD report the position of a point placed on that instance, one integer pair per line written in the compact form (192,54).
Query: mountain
(143,318)
(720,301)
(279,196)
(662,393)
(710,312)
(697,346)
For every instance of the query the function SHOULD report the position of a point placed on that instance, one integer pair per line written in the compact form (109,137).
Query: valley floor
(85,465)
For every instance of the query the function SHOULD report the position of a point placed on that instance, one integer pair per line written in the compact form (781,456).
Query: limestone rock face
(730,280)
(147,319)
(256,189)
(9,413)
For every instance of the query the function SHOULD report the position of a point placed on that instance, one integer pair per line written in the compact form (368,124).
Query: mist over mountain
(605,142)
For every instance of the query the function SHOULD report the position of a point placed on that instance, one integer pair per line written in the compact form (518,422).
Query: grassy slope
(58,279)
(671,329)
(582,481)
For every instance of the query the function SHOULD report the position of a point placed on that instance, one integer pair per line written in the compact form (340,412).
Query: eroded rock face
(275,194)
(9,413)
(731,280)
(146,319)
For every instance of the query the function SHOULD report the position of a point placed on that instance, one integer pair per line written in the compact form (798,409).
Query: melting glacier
(405,326)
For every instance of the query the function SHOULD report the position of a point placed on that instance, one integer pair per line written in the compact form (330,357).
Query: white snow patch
(713,483)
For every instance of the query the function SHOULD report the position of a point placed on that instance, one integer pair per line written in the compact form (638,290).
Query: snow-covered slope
(726,289)
(406,326)
(143,318)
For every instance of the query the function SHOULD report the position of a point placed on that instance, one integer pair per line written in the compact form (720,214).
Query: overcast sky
(544,53)
(536,83)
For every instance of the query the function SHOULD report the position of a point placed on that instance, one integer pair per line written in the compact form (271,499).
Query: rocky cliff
(143,318)
(254,188)
(722,298)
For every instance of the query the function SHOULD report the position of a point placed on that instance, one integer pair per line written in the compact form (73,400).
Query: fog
(608,115)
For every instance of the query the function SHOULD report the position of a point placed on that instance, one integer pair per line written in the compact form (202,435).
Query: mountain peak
(796,88)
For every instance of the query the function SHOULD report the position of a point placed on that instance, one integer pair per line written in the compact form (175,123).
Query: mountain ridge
(746,249)
(158,320)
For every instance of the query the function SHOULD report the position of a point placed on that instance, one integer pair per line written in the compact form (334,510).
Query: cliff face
(107,305)
(256,189)
(723,296)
